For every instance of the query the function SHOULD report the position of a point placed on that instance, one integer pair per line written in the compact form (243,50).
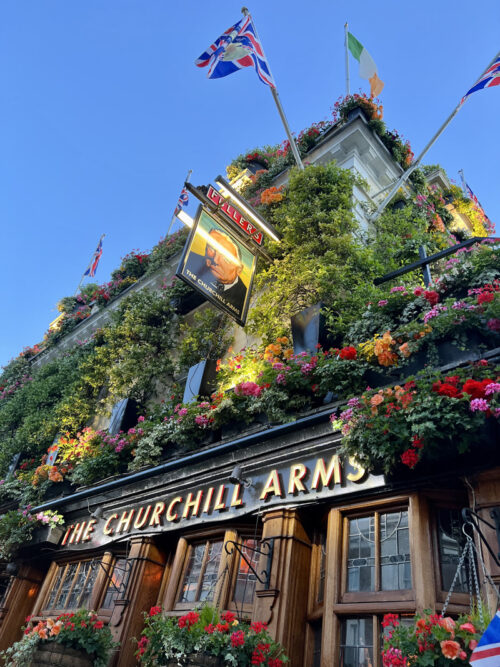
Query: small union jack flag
(92,267)
(490,78)
(236,48)
(183,201)
(487,652)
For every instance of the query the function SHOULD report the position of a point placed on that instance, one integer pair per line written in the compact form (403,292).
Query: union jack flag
(487,652)
(92,267)
(236,48)
(490,78)
(183,201)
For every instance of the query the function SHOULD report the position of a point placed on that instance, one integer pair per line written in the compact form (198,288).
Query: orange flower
(55,475)
(376,400)
(405,350)
(448,624)
(56,629)
(450,648)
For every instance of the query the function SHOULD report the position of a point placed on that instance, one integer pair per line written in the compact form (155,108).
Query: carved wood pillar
(284,605)
(141,594)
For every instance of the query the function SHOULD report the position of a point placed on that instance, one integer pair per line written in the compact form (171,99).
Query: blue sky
(103,112)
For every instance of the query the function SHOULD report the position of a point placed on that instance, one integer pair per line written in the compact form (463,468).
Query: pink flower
(141,419)
(182,412)
(468,627)
(480,404)
(492,388)
(382,302)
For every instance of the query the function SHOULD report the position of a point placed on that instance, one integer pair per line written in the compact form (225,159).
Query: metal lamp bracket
(472,518)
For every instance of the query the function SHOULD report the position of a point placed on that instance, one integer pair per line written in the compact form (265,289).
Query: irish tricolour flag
(367,67)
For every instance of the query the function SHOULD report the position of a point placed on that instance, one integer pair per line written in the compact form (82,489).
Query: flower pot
(449,353)
(48,535)
(53,653)
(255,165)
(379,378)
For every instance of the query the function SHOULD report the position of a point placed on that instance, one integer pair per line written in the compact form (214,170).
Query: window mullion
(73,582)
(376,520)
(58,595)
(202,570)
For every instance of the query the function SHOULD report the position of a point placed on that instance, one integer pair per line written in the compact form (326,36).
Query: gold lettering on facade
(219,501)
(355,476)
(208,500)
(142,517)
(157,512)
(67,534)
(77,533)
(107,530)
(192,504)
(90,529)
(272,485)
(297,474)
(236,501)
(175,501)
(125,521)
(320,472)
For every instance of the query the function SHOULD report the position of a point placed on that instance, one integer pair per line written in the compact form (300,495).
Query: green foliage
(165,250)
(134,352)
(318,259)
(207,337)
(206,632)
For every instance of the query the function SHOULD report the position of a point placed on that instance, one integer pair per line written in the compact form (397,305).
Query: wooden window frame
(353,597)
(97,594)
(225,586)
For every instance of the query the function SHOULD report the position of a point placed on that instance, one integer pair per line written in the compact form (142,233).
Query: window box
(48,535)
(53,653)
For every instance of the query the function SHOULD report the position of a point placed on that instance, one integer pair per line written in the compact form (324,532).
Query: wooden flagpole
(277,101)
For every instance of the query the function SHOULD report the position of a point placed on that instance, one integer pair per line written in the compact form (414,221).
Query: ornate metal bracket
(473,519)
(126,570)
(266,549)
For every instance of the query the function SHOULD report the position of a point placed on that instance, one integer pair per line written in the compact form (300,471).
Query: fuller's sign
(303,481)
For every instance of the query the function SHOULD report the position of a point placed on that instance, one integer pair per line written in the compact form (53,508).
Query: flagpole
(174,216)
(83,275)
(346,43)
(276,98)
(404,177)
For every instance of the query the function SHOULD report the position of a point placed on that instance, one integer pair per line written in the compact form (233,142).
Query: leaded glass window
(356,648)
(378,553)
(72,587)
(201,573)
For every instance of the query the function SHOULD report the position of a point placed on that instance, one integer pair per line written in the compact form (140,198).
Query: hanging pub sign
(218,264)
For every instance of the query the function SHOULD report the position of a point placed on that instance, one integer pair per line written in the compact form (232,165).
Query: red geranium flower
(348,352)
(410,458)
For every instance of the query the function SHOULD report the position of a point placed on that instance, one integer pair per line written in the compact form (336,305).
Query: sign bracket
(266,550)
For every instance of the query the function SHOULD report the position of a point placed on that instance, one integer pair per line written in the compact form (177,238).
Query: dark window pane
(356,649)
(317,631)
(211,571)
(322,564)
(451,543)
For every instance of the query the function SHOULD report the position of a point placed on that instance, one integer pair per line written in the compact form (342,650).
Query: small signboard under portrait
(217,264)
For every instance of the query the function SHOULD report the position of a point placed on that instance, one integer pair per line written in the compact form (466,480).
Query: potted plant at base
(206,638)
(430,640)
(80,640)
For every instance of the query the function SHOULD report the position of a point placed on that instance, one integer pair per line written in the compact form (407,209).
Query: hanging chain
(459,567)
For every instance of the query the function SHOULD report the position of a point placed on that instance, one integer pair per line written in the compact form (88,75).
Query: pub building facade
(269,522)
